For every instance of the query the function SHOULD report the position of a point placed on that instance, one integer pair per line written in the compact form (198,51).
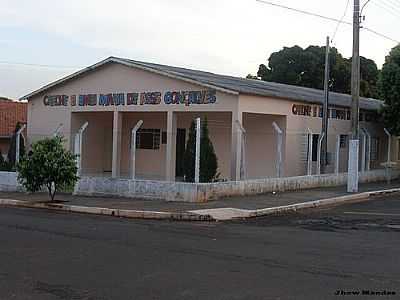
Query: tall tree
(389,88)
(305,67)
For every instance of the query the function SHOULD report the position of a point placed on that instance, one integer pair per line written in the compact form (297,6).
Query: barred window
(148,139)
(374,149)
(343,140)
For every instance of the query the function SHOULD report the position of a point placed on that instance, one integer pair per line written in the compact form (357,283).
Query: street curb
(193,216)
(243,214)
(360,197)
(122,213)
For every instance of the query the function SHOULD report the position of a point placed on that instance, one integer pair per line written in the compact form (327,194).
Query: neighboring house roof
(229,84)
(11,112)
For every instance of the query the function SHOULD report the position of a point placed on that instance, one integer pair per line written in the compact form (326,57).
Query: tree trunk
(51,192)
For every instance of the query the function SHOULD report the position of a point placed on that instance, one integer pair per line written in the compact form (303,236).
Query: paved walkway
(234,204)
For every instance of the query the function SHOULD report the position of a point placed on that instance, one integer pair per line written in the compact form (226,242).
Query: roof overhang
(128,64)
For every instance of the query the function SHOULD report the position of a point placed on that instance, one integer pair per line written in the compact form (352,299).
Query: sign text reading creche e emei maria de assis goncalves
(145,98)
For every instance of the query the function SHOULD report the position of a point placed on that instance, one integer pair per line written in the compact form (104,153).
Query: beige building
(114,94)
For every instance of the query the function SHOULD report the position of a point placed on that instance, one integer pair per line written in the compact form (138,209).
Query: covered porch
(162,138)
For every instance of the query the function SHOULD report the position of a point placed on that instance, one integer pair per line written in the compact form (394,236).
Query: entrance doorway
(180,151)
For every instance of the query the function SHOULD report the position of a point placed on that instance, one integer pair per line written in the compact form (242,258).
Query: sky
(51,39)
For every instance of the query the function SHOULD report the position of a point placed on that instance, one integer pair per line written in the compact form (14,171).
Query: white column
(116,150)
(170,158)
(236,146)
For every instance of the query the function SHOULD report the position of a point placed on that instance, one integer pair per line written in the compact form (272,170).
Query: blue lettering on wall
(144,98)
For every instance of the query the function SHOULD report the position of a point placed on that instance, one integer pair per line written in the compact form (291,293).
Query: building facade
(114,94)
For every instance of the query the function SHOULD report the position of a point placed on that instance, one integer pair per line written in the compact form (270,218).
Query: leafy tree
(11,157)
(306,67)
(389,88)
(208,158)
(369,78)
(49,166)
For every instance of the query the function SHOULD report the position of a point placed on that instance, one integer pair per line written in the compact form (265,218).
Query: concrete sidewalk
(225,209)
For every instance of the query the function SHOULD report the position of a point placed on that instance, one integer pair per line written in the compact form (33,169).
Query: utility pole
(324,133)
(352,181)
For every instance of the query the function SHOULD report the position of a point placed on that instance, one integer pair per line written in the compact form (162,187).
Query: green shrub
(49,166)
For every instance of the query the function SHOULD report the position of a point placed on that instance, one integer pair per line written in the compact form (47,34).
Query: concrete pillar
(116,149)
(236,147)
(170,158)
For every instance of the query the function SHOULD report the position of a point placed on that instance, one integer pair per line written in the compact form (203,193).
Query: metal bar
(320,139)
(197,157)
(309,157)
(389,145)
(388,164)
(368,150)
(17,143)
(337,154)
(279,149)
(79,147)
(363,150)
(57,131)
(242,154)
(133,148)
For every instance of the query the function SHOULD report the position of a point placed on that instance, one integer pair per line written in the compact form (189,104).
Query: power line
(326,18)
(301,11)
(39,65)
(341,20)
(392,5)
(389,8)
(386,9)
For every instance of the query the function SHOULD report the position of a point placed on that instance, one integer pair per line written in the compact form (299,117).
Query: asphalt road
(313,255)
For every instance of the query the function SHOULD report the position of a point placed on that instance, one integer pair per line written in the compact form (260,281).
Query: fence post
(17,143)
(320,138)
(337,154)
(197,157)
(242,154)
(368,154)
(309,158)
(363,147)
(279,149)
(78,146)
(57,131)
(133,148)
(388,166)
